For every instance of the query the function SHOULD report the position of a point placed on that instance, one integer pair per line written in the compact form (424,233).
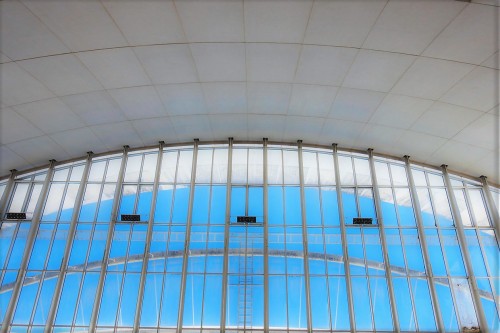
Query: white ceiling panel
(38,151)
(212,20)
(481,132)
(377,71)
(469,38)
(10,160)
(381,137)
(268,98)
(168,63)
(94,108)
(116,135)
(342,23)
(272,62)
(324,64)
(50,115)
(279,21)
(4,58)
(303,128)
(355,104)
(431,78)
(78,141)
(477,90)
(222,97)
(24,35)
(266,126)
(115,68)
(409,26)
(139,102)
(492,62)
(13,127)
(342,132)
(489,166)
(17,86)
(182,99)
(457,153)
(445,120)
(146,22)
(400,111)
(419,146)
(63,74)
(81,25)
(154,130)
(220,61)
(311,100)
(230,125)
(192,127)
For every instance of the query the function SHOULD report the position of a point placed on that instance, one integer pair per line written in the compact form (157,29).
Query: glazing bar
(69,242)
(304,237)
(109,238)
(344,240)
(423,243)
(226,236)
(187,240)
(266,243)
(385,250)
(35,221)
(7,192)
(490,204)
(476,298)
(149,234)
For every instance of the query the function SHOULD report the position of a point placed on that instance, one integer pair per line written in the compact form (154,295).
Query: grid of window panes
(223,276)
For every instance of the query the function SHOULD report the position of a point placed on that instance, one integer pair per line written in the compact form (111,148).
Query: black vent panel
(362,220)
(130,217)
(246,219)
(16,216)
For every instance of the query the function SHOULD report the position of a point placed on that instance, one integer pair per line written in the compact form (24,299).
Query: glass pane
(399,175)
(168,166)
(462,207)
(326,169)
(185,166)
(362,311)
(363,174)
(478,208)
(149,168)
(239,167)
(17,202)
(291,166)
(310,168)
(133,168)
(382,172)
(346,171)
(274,167)
(204,166)
(255,166)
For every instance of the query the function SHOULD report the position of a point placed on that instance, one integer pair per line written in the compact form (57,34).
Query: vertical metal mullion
(304,237)
(69,242)
(109,238)
(7,193)
(344,240)
(490,206)
(423,242)
(226,236)
(185,255)
(385,250)
(35,222)
(149,233)
(483,324)
(266,239)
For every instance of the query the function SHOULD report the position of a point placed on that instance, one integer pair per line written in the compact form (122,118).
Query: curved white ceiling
(413,77)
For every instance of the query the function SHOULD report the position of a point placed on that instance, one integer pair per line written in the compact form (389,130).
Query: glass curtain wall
(203,269)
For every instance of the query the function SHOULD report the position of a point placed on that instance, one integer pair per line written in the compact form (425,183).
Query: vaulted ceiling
(413,77)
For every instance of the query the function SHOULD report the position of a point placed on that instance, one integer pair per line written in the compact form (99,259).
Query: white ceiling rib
(403,77)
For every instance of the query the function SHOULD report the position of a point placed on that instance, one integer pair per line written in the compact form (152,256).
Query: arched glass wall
(429,260)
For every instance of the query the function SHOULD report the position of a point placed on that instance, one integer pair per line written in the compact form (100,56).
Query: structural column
(266,242)
(188,237)
(35,221)
(226,236)
(69,242)
(344,240)
(109,238)
(483,324)
(149,233)
(7,193)
(492,208)
(380,218)
(304,237)
(423,242)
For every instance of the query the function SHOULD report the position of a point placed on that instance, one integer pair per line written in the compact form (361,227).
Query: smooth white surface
(403,77)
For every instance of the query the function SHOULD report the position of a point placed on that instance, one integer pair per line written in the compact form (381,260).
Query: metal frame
(187,239)
(483,323)
(226,235)
(380,220)
(149,234)
(109,238)
(347,270)
(266,239)
(69,242)
(423,243)
(7,193)
(490,205)
(30,241)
